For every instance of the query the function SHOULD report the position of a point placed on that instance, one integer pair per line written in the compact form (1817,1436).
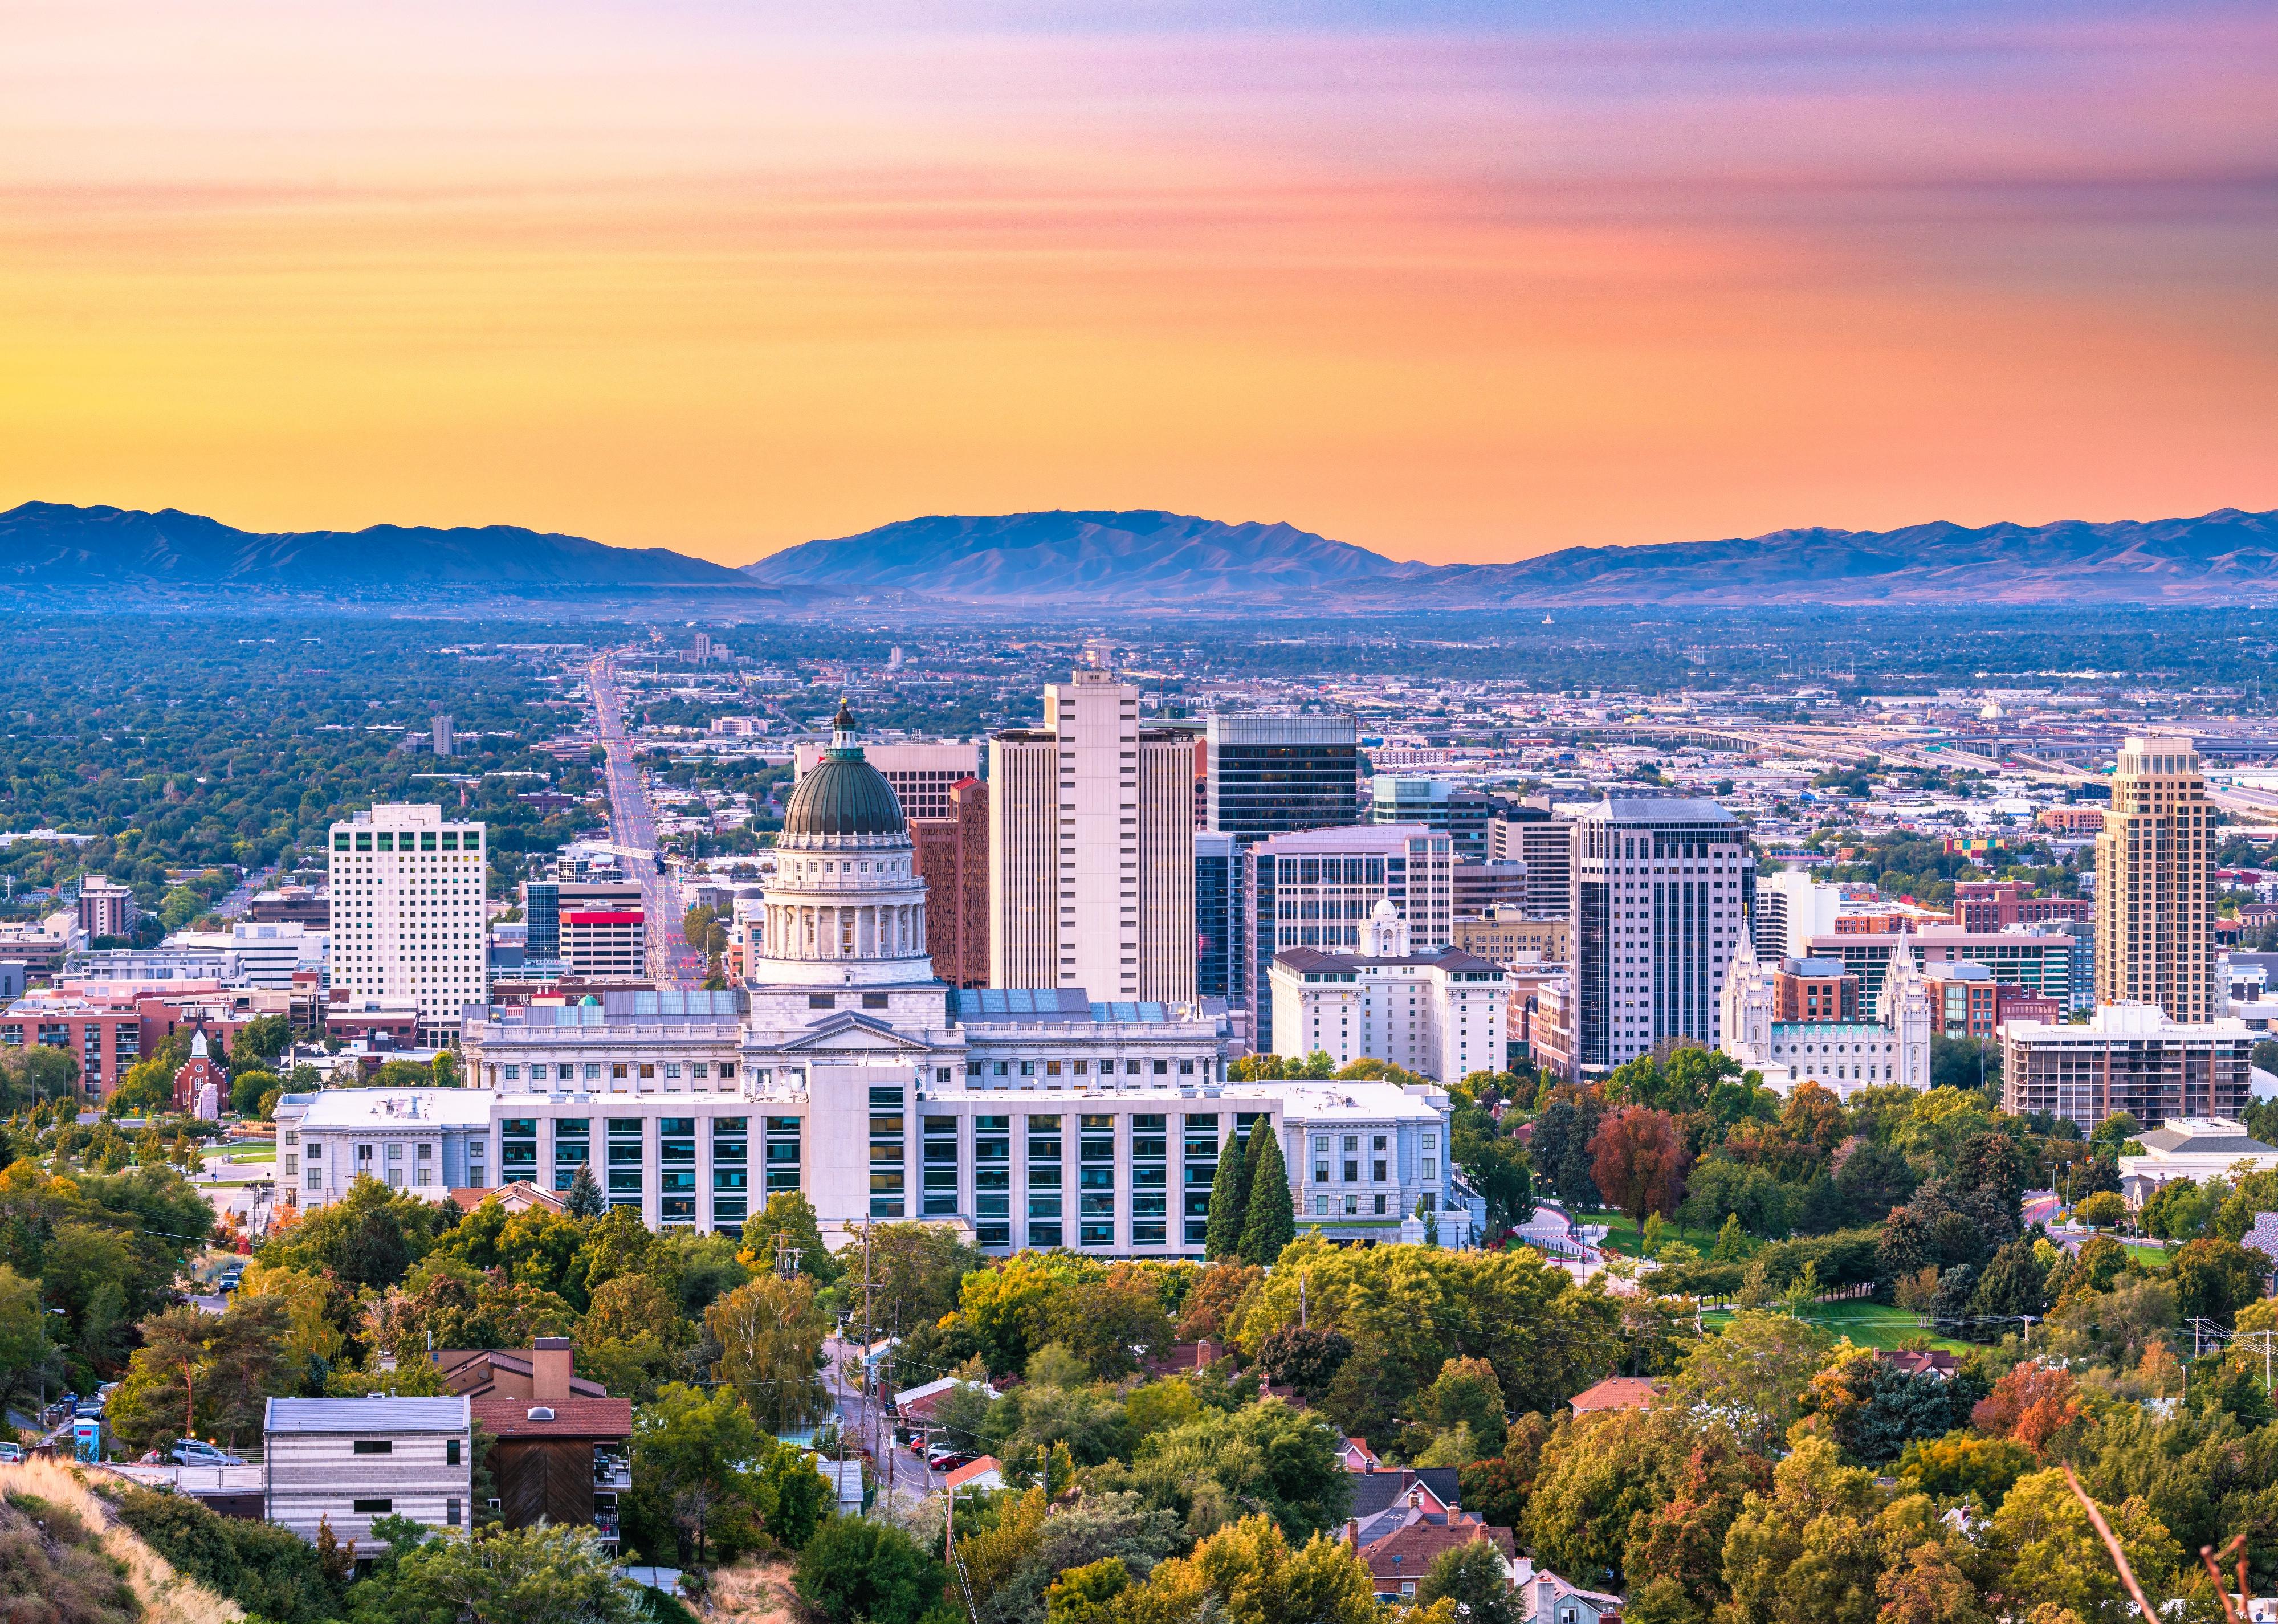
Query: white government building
(845,1071)
(1439,1013)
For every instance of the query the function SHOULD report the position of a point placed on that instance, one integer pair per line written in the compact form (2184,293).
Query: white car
(12,1454)
(190,1451)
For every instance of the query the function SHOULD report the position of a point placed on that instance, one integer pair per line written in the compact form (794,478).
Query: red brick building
(1814,989)
(952,854)
(1986,906)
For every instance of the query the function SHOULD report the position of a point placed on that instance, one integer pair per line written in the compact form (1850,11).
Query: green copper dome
(845,794)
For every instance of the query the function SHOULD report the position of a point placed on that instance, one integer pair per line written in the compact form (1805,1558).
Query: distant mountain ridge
(55,543)
(1149,559)
(1143,559)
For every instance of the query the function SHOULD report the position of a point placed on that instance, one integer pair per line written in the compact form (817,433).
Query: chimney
(549,1371)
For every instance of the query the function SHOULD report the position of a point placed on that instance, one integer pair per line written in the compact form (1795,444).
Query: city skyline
(1443,287)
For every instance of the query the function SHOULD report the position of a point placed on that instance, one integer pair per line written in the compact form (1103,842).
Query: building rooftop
(981,1006)
(566,1418)
(2202,1136)
(1360,837)
(329,1416)
(1317,959)
(660,1004)
(1659,809)
(399,1107)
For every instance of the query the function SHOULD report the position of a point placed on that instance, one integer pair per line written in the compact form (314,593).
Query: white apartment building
(1662,891)
(348,1462)
(408,915)
(265,954)
(424,1142)
(1441,1015)
(921,776)
(1091,848)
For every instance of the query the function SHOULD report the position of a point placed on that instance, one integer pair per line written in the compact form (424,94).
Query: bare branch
(2112,1544)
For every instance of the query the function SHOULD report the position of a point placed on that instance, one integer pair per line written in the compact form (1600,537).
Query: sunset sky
(1449,281)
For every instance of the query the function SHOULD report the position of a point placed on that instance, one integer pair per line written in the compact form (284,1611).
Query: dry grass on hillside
(165,1596)
(753,1590)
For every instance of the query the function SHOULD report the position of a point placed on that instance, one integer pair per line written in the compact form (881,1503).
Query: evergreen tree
(1270,1225)
(583,1199)
(1229,1202)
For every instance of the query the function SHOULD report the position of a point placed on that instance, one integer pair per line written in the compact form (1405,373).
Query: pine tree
(583,1199)
(1270,1225)
(1733,1244)
(1229,1202)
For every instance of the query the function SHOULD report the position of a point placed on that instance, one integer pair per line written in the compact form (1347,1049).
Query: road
(633,830)
(233,906)
(861,1422)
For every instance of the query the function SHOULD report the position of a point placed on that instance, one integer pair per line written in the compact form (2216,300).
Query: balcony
(604,1524)
(612,1473)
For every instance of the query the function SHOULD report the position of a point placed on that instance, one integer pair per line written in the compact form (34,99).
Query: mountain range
(1143,560)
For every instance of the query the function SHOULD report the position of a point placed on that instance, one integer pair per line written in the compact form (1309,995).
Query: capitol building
(844,1070)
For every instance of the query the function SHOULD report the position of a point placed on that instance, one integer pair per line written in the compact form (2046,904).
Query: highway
(633,830)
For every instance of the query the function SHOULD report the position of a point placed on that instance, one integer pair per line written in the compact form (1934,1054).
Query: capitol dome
(844,795)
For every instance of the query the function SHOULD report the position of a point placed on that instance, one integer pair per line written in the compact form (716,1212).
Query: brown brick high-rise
(2154,882)
(953,859)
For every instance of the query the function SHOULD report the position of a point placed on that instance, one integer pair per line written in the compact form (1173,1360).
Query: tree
(1087,1595)
(2104,1210)
(801,1496)
(1304,1360)
(1266,1456)
(1465,1394)
(542,1574)
(1637,1159)
(789,1214)
(1229,1201)
(854,1568)
(26,1353)
(688,1450)
(1473,1575)
(2215,1278)
(1807,1553)
(2056,1558)
(584,1198)
(1754,1373)
(771,1333)
(247,1088)
(1248,1574)
(1270,1225)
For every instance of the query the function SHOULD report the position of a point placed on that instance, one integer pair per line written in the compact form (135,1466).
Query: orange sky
(691,275)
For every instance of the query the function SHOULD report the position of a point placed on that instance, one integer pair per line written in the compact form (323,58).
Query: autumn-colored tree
(1637,1159)
(2031,1404)
(1212,1308)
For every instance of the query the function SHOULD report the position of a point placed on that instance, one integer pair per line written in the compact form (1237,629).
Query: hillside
(52,543)
(65,1560)
(1154,560)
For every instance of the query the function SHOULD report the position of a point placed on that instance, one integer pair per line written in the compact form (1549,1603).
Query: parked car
(948,1458)
(12,1454)
(191,1452)
(88,1406)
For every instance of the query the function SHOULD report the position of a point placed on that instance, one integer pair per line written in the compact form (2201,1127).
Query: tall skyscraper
(1662,887)
(1218,893)
(1091,848)
(1545,842)
(1318,888)
(408,912)
(440,735)
(953,855)
(1269,773)
(1436,802)
(2154,882)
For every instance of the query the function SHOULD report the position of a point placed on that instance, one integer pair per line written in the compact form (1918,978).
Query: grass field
(1869,1324)
(1621,1234)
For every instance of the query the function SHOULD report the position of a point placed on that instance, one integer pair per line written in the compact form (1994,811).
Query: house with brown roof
(1397,1561)
(1617,1392)
(504,1372)
(556,1453)
(520,1196)
(1936,1361)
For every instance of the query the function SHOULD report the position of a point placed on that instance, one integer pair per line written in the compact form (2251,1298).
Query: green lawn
(245,1153)
(1621,1234)
(1869,1324)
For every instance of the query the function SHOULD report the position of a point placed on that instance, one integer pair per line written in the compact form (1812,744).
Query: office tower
(2154,882)
(440,735)
(1269,773)
(953,857)
(106,908)
(2130,1058)
(703,647)
(1483,885)
(1661,899)
(1544,841)
(1318,888)
(409,919)
(545,902)
(1091,848)
(1218,891)
(604,944)
(1437,803)
(920,775)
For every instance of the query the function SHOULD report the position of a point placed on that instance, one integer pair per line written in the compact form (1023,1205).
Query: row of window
(405,840)
(620,1070)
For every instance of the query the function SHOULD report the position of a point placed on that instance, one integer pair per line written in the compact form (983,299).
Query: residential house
(1398,1560)
(1545,1598)
(1617,1392)
(520,1196)
(913,1407)
(1937,1362)
(980,1474)
(557,1454)
(349,1461)
(505,1373)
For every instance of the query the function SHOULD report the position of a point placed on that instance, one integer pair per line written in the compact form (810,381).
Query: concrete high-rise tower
(1091,848)
(2154,882)
(408,914)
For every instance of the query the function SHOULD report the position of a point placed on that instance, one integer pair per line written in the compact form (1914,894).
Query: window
(374,1508)
(373,1447)
(316,1179)
(451,1508)
(451,1452)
